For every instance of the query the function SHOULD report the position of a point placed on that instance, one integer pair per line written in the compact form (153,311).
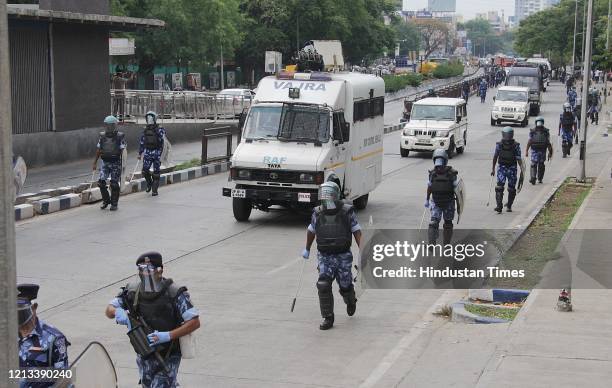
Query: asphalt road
(242,276)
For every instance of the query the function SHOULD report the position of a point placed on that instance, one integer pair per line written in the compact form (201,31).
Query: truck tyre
(451,148)
(537,110)
(242,209)
(404,152)
(361,202)
(525,122)
(461,149)
(493,122)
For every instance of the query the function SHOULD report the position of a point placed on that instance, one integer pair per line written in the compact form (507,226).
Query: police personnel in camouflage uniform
(40,344)
(110,148)
(441,186)
(508,153)
(167,310)
(567,128)
(334,225)
(539,142)
(152,145)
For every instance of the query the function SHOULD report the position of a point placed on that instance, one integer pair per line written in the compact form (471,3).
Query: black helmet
(507,133)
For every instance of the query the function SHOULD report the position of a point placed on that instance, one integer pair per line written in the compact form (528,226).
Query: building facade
(524,8)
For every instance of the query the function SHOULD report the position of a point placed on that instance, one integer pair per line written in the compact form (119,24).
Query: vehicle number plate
(425,141)
(238,193)
(303,197)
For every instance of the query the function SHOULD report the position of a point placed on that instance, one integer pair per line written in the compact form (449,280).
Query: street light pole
(607,55)
(574,46)
(222,78)
(8,304)
(585,91)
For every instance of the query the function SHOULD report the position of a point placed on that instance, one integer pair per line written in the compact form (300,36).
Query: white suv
(511,104)
(436,123)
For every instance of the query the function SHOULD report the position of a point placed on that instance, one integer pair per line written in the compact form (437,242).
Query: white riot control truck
(303,128)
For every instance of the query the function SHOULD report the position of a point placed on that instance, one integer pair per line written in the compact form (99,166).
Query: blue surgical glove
(305,254)
(121,317)
(426,204)
(159,337)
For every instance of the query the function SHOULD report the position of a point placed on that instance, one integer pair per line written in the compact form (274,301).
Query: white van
(511,103)
(436,123)
(300,129)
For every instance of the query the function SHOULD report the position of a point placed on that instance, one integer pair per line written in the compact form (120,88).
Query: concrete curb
(460,314)
(499,295)
(23,211)
(52,205)
(393,128)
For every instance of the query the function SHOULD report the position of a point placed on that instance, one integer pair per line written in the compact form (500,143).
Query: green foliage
(407,35)
(451,69)
(483,37)
(394,83)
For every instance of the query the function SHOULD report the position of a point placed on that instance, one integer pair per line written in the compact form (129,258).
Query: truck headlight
(307,177)
(244,174)
(521,109)
(441,133)
(408,132)
(496,109)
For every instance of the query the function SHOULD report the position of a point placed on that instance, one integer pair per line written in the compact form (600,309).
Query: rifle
(138,334)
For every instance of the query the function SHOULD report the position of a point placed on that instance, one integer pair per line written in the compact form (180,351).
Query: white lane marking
(282,267)
(417,329)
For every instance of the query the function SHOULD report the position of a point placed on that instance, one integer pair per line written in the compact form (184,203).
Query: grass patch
(394,83)
(485,311)
(195,162)
(451,69)
(539,243)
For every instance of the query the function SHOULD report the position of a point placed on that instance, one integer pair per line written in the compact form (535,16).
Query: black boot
(147,176)
(511,195)
(114,195)
(432,232)
(541,170)
(326,302)
(349,298)
(533,173)
(499,198)
(447,232)
(105,196)
(155,184)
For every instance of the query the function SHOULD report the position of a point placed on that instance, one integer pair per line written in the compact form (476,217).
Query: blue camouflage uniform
(112,170)
(336,266)
(152,157)
(151,372)
(437,213)
(44,347)
(571,98)
(483,90)
(537,156)
(566,133)
(509,173)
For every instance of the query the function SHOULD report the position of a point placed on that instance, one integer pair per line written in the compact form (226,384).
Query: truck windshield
(263,122)
(289,122)
(521,80)
(433,112)
(304,123)
(511,95)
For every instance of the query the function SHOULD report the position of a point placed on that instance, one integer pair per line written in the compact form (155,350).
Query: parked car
(231,102)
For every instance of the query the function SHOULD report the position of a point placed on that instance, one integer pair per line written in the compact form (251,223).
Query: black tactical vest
(567,120)
(442,188)
(539,140)
(151,140)
(333,229)
(506,155)
(157,308)
(110,147)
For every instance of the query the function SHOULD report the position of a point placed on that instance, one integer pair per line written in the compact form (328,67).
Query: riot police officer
(572,96)
(152,145)
(40,344)
(508,154)
(166,312)
(441,186)
(465,90)
(482,88)
(110,148)
(593,105)
(539,142)
(567,128)
(334,225)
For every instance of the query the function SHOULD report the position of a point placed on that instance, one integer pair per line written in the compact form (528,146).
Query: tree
(407,34)
(434,33)
(481,34)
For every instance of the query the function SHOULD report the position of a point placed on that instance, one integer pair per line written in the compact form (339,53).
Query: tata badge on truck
(436,123)
(300,129)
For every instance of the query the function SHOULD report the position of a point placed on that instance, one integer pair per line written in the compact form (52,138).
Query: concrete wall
(46,148)
(80,70)
(100,7)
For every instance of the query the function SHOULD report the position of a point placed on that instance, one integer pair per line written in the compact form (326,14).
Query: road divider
(23,211)
(52,205)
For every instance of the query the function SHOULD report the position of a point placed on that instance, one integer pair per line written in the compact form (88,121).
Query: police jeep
(436,123)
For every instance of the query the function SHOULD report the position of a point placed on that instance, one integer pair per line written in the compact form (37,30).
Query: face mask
(149,277)
(150,120)
(110,129)
(439,162)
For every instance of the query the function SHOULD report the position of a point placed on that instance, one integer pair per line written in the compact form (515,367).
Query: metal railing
(227,132)
(186,105)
